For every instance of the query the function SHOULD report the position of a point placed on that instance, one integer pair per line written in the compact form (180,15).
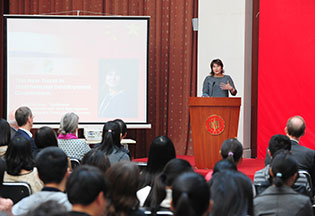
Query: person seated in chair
(24,119)
(262,178)
(52,166)
(280,198)
(87,189)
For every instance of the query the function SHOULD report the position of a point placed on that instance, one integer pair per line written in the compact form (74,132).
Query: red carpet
(247,166)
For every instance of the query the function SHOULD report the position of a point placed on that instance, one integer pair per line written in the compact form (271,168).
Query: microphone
(212,88)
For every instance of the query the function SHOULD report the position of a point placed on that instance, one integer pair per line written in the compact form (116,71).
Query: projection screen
(96,67)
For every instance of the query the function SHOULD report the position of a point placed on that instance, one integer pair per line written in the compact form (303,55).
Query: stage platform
(248,166)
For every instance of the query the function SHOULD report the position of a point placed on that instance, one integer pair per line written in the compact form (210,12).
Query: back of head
(45,136)
(52,165)
(296,126)
(283,166)
(223,165)
(279,142)
(231,193)
(84,185)
(232,149)
(5,132)
(124,179)
(19,155)
(122,125)
(171,171)
(110,137)
(96,158)
(161,151)
(49,208)
(190,194)
(69,123)
(22,114)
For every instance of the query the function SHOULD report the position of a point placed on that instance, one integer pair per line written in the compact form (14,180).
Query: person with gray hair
(24,119)
(67,139)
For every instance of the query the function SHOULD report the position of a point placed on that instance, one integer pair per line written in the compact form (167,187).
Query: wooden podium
(213,120)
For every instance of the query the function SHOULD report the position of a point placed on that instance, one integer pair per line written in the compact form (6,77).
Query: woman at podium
(217,84)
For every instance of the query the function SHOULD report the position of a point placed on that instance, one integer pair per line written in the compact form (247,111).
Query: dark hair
(172,170)
(224,165)
(296,129)
(217,62)
(279,142)
(122,125)
(283,166)
(52,165)
(84,185)
(22,114)
(45,136)
(232,150)
(19,155)
(2,170)
(5,132)
(96,158)
(110,137)
(191,195)
(48,208)
(124,179)
(161,151)
(232,194)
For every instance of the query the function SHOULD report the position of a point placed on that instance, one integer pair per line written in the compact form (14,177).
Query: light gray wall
(225,31)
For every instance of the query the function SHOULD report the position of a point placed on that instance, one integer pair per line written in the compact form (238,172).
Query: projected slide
(95,67)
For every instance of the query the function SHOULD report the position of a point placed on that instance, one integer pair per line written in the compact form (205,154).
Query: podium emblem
(215,124)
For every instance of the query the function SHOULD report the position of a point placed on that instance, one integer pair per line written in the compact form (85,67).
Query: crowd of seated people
(107,182)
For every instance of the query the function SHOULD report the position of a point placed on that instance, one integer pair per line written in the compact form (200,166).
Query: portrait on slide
(118,88)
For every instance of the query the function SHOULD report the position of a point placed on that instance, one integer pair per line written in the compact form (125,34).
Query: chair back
(15,190)
(74,163)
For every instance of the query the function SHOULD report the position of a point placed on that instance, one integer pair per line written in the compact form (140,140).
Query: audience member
(110,144)
(20,164)
(123,127)
(161,151)
(161,193)
(124,182)
(191,195)
(87,189)
(44,137)
(96,158)
(48,208)
(231,193)
(24,119)
(52,165)
(305,157)
(224,165)
(123,133)
(262,178)
(280,199)
(5,204)
(232,150)
(5,136)
(67,139)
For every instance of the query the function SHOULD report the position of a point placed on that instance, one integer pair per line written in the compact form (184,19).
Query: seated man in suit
(53,170)
(305,157)
(24,119)
(87,189)
(262,178)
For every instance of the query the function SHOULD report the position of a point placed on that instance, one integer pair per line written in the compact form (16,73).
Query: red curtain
(172,58)
(286,68)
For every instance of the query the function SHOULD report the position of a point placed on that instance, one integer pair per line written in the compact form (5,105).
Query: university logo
(215,124)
